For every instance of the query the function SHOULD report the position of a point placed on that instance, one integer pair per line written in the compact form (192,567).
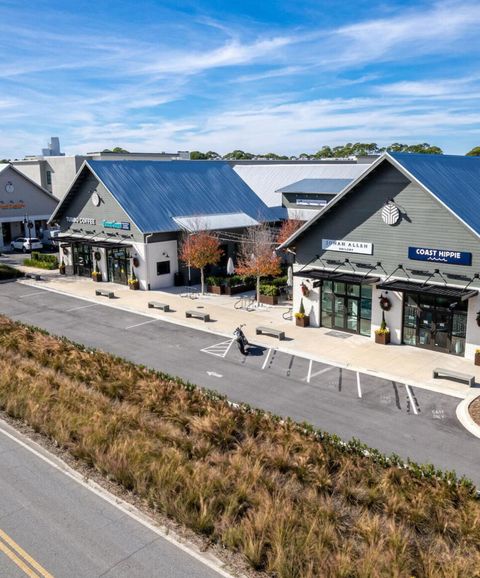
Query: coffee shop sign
(81,220)
(347,246)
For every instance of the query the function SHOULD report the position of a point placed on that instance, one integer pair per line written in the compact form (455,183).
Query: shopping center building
(400,242)
(125,218)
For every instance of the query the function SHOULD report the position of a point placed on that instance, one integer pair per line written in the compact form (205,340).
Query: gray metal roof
(324,186)
(215,222)
(267,178)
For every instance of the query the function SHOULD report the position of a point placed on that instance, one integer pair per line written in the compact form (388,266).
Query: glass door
(118,265)
(82,260)
(347,307)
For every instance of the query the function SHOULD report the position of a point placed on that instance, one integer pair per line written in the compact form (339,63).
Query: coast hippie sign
(439,256)
(344,246)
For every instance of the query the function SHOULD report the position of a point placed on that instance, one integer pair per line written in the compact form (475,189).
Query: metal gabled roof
(215,222)
(153,193)
(325,186)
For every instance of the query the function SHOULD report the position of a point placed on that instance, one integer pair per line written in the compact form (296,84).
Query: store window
(163,267)
(346,306)
(49,177)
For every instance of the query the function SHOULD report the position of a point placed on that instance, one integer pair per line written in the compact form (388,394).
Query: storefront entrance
(347,307)
(434,322)
(82,260)
(118,265)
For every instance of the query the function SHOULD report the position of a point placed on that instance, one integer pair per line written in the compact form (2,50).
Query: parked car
(26,245)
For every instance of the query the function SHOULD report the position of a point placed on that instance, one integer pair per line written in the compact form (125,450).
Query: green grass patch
(296,502)
(50,266)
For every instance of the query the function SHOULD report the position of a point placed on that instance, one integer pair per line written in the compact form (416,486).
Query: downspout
(147,262)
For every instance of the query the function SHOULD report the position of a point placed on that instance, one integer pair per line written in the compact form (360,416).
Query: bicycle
(247,303)
(288,315)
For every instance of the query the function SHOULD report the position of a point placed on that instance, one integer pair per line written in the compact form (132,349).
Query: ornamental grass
(295,502)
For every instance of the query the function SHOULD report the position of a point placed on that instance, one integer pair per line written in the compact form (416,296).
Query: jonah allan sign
(19,205)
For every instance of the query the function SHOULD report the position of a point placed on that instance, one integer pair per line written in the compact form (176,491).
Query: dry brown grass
(294,502)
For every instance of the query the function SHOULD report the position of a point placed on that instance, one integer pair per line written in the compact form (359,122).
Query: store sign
(347,246)
(124,225)
(439,256)
(312,202)
(81,220)
(19,205)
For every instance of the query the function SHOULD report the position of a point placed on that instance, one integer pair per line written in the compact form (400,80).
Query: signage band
(124,225)
(18,205)
(440,255)
(312,202)
(359,247)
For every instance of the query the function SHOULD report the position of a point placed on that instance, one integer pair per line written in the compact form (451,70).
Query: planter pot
(61,270)
(382,338)
(477,358)
(238,289)
(216,289)
(302,321)
(97,278)
(134,286)
(269,299)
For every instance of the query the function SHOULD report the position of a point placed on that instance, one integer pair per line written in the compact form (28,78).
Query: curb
(443,390)
(463,414)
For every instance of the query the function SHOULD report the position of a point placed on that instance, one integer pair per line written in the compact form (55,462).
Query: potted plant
(96,274)
(301,319)
(133,283)
(477,356)
(61,268)
(382,334)
(215,285)
(269,294)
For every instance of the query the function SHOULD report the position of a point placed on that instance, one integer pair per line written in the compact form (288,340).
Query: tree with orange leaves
(200,249)
(287,229)
(257,255)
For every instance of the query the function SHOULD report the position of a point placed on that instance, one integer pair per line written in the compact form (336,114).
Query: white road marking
(81,307)
(412,401)
(219,349)
(309,374)
(214,374)
(359,389)
(121,505)
(143,323)
(319,372)
(266,359)
(31,294)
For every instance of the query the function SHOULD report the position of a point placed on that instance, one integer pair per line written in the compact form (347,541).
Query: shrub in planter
(215,285)
(96,276)
(477,357)
(133,283)
(269,294)
(61,268)
(382,334)
(301,319)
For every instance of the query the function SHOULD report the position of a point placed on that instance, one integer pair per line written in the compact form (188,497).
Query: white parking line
(31,294)
(81,307)
(266,359)
(143,323)
(359,389)
(319,372)
(309,374)
(412,401)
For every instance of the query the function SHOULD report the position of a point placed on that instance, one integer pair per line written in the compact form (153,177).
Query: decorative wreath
(136,262)
(385,303)
(305,290)
(97,255)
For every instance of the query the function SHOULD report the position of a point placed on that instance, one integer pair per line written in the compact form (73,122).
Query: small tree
(199,250)
(287,229)
(257,255)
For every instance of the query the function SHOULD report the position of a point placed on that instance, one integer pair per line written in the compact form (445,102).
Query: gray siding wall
(289,200)
(424,223)
(36,201)
(80,205)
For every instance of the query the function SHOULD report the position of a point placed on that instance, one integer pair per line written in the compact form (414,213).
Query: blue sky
(263,76)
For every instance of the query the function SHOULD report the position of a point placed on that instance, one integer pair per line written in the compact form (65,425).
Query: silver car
(26,245)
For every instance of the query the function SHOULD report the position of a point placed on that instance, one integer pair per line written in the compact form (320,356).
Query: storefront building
(126,219)
(400,243)
(24,207)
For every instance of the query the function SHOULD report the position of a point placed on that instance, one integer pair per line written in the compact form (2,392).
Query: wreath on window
(136,262)
(305,290)
(97,255)
(385,303)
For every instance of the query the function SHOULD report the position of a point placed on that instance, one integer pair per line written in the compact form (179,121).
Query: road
(412,422)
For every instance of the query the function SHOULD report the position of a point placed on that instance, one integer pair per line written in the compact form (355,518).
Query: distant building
(53,149)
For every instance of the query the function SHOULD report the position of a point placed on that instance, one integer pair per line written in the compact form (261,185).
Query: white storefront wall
(148,255)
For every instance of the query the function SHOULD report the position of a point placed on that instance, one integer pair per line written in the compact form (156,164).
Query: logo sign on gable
(440,255)
(390,214)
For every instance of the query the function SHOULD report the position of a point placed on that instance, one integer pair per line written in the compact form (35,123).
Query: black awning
(337,276)
(92,243)
(429,289)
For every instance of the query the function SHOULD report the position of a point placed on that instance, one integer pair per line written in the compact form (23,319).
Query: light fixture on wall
(164,254)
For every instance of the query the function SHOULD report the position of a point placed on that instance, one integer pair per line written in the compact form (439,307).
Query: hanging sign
(440,255)
(124,225)
(347,246)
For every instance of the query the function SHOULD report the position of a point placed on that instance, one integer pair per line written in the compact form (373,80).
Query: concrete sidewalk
(400,363)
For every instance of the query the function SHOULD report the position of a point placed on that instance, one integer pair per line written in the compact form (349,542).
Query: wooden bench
(271,331)
(198,314)
(105,293)
(448,373)
(34,276)
(158,305)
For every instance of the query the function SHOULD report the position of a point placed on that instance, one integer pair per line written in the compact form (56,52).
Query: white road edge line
(309,374)
(412,401)
(266,358)
(30,294)
(359,389)
(118,503)
(81,307)
(142,323)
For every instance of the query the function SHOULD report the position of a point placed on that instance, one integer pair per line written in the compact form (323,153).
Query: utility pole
(29,227)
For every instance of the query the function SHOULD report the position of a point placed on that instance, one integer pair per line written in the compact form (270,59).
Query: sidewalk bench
(198,315)
(158,305)
(271,331)
(34,276)
(105,293)
(447,373)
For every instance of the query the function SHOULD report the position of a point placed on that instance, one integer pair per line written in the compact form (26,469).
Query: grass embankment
(296,503)
(7,272)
